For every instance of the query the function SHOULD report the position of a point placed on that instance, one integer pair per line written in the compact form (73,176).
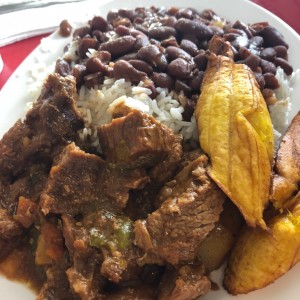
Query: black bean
(243,52)
(184,13)
(99,23)
(268,53)
(244,27)
(271,81)
(112,15)
(141,41)
(201,60)
(161,32)
(175,52)
(104,56)
(122,30)
(267,66)
(252,61)
(123,69)
(121,21)
(216,30)
(163,80)
(237,40)
(100,36)
(127,13)
(129,56)
(79,71)
(94,65)
(189,47)
(119,46)
(281,51)
(141,66)
(280,62)
(169,21)
(62,67)
(81,31)
(260,79)
(196,80)
(93,79)
(181,86)
(85,44)
(65,28)
(169,42)
(194,27)
(149,84)
(257,41)
(188,105)
(207,14)
(153,54)
(272,37)
(191,37)
(180,68)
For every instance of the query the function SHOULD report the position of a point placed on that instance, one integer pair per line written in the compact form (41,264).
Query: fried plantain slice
(285,185)
(260,257)
(235,131)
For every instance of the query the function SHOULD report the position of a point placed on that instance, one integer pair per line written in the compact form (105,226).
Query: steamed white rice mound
(96,106)
(279,111)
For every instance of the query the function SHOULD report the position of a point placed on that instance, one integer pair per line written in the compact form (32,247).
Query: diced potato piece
(215,248)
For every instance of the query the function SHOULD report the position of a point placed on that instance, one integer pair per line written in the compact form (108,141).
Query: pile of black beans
(166,47)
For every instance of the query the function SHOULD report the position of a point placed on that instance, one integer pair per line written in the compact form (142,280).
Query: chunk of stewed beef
(184,283)
(9,227)
(135,139)
(52,122)
(191,205)
(73,182)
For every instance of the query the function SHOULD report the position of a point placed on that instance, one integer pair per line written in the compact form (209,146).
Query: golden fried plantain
(260,257)
(285,186)
(235,131)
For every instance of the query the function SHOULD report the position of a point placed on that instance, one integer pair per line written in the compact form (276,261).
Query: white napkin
(25,23)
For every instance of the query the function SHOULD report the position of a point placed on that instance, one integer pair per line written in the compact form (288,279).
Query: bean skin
(81,31)
(271,81)
(201,60)
(272,37)
(162,32)
(189,47)
(175,52)
(182,86)
(267,66)
(196,28)
(252,61)
(86,44)
(119,46)
(280,62)
(141,66)
(268,53)
(163,80)
(180,68)
(98,23)
(65,28)
(281,51)
(153,54)
(62,67)
(123,69)
(94,65)
(79,72)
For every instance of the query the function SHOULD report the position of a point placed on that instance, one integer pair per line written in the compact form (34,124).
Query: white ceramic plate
(15,95)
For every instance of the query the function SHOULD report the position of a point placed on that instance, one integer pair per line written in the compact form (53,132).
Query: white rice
(279,111)
(96,106)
